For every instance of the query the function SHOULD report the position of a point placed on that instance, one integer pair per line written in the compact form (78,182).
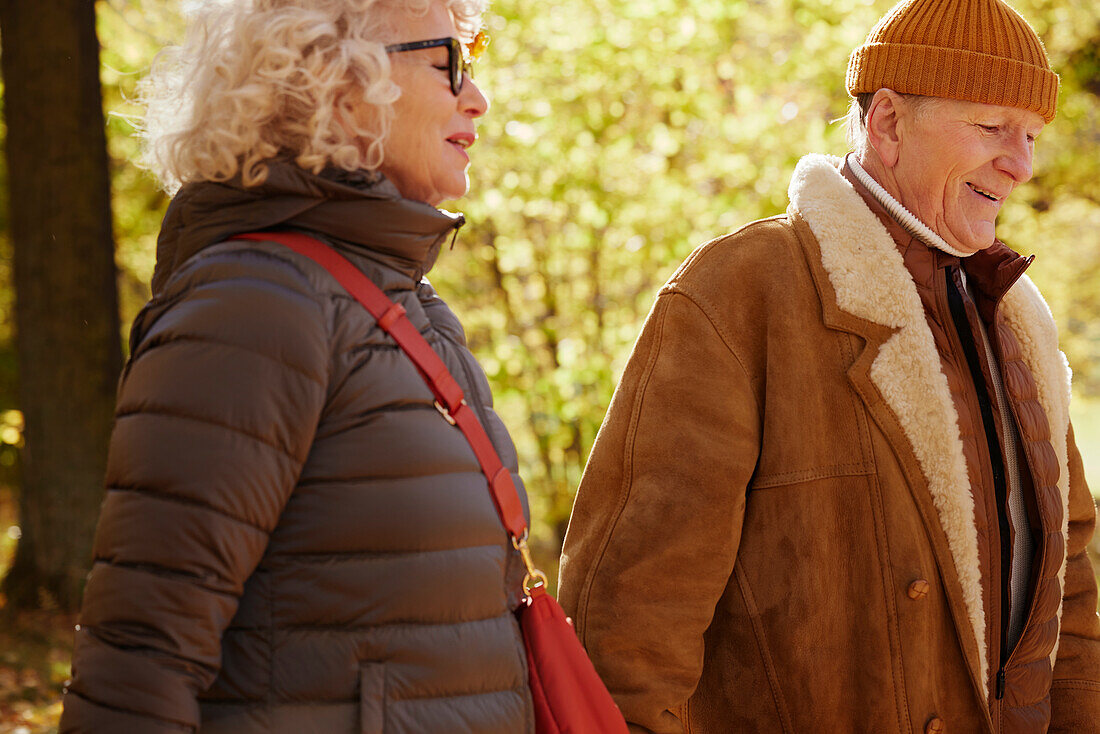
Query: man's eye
(989,128)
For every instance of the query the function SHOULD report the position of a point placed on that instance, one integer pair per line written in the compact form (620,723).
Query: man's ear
(883,125)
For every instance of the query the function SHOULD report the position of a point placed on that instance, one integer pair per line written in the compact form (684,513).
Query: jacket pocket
(372,698)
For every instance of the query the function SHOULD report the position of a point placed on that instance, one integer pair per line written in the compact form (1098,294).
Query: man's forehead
(946,107)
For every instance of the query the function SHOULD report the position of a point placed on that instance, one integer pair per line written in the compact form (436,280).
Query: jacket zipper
(1009,435)
(1040,550)
(957,309)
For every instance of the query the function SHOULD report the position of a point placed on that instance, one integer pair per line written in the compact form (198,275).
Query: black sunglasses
(458,64)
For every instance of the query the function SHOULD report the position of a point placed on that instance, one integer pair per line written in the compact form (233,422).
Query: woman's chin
(455,192)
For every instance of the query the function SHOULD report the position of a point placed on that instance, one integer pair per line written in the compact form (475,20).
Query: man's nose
(1016,158)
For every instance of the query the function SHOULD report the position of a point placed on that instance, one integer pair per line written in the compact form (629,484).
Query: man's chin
(981,238)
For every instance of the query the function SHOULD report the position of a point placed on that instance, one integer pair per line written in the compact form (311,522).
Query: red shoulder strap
(449,398)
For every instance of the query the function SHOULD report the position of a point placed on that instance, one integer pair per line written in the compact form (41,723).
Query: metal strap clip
(446,413)
(534,577)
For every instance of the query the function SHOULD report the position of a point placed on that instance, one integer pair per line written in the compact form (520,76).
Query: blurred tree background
(621,135)
(67,350)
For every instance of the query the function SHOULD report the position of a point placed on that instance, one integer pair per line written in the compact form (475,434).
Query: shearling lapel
(870,282)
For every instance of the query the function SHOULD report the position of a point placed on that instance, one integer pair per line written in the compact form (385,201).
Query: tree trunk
(66,303)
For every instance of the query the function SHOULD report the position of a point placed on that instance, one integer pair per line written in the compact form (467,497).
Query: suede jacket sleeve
(216,414)
(1075,692)
(657,521)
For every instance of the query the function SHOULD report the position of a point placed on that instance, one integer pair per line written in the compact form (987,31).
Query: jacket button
(916,591)
(934,726)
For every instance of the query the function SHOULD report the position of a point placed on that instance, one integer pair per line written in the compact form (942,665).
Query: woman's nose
(471,100)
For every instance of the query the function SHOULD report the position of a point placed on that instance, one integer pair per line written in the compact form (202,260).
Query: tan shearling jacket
(776,531)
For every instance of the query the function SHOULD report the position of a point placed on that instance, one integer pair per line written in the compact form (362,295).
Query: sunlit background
(621,135)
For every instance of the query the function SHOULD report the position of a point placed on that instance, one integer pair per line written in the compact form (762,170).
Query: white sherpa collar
(871,282)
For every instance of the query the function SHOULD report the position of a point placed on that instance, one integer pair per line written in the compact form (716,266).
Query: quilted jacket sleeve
(653,536)
(1075,692)
(216,414)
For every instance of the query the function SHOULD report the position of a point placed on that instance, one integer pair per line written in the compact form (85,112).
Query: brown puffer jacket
(293,538)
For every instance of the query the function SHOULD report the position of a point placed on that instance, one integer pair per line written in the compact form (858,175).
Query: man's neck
(884,175)
(885,190)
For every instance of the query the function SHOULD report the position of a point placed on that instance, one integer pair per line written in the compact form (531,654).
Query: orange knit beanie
(976,50)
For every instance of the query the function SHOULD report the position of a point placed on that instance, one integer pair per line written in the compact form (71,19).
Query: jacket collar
(870,292)
(359,211)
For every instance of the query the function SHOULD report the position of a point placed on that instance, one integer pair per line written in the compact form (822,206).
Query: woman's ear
(883,123)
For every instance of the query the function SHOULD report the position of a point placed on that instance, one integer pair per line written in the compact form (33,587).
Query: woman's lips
(462,141)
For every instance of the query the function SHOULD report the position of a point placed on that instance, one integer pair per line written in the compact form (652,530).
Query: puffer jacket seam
(251,278)
(377,347)
(324,302)
(280,254)
(144,651)
(345,701)
(472,694)
(1030,703)
(320,481)
(233,249)
(391,291)
(396,624)
(156,569)
(206,257)
(154,344)
(256,702)
(130,712)
(165,413)
(189,501)
(369,555)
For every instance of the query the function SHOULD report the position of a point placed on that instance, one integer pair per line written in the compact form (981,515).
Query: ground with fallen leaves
(35,648)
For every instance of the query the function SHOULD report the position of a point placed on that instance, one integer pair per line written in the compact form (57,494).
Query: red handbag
(567,693)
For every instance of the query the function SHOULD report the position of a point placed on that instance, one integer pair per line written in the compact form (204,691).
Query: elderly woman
(837,487)
(293,538)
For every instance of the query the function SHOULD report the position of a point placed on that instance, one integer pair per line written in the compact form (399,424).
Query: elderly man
(837,488)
